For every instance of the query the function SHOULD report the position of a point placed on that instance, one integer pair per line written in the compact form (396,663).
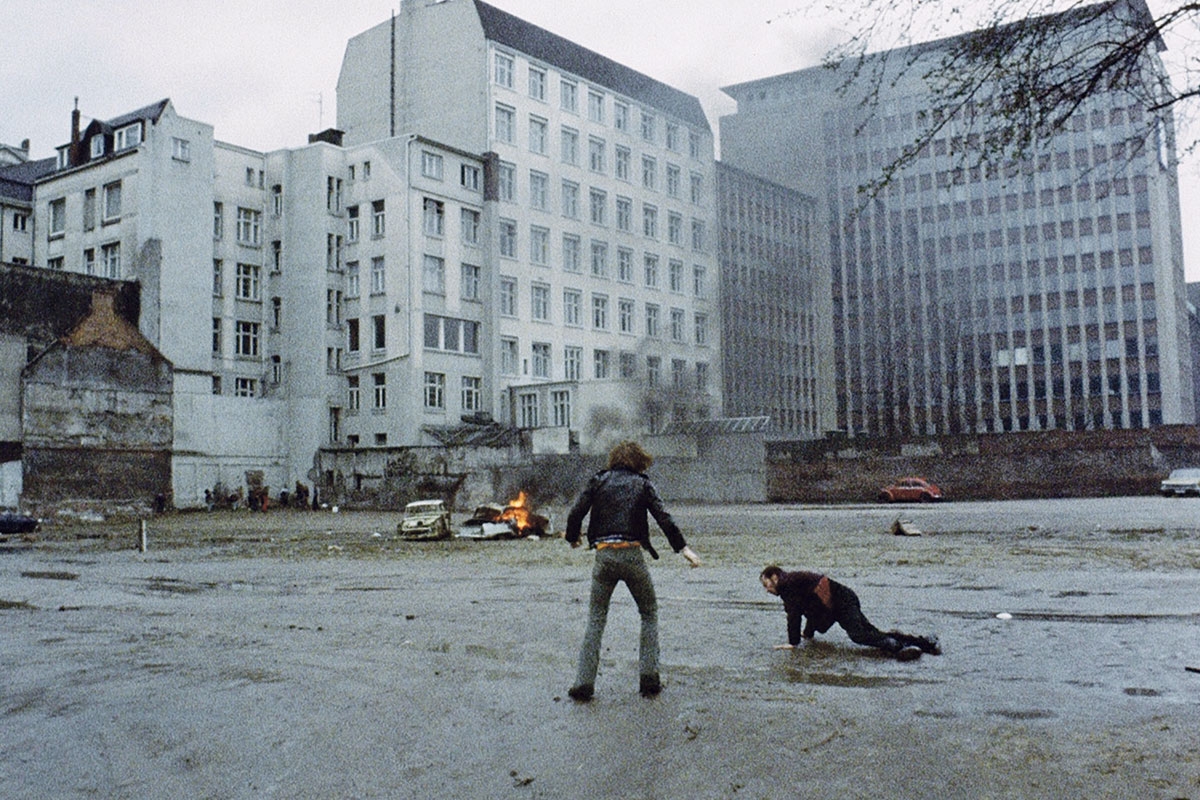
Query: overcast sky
(264,72)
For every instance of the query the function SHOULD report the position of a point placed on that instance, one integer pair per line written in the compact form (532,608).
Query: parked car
(11,522)
(425,519)
(1181,482)
(910,490)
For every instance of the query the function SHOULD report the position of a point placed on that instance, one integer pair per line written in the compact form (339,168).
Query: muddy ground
(312,655)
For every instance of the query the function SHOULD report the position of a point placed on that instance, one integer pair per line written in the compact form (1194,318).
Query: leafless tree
(1021,73)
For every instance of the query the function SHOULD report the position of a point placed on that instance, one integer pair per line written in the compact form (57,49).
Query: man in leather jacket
(618,500)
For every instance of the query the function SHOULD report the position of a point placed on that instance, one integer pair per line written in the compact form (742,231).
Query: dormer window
(97,145)
(129,136)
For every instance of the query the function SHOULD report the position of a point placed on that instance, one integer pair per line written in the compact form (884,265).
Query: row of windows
(433,390)
(539,242)
(627,366)
(598,106)
(470,176)
(109,208)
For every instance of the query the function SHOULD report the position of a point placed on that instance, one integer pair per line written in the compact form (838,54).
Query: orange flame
(518,512)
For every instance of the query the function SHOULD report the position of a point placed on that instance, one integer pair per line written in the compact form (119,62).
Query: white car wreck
(425,519)
(1181,482)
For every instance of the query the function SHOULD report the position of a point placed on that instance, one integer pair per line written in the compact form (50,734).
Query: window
(595,106)
(648,123)
(570,146)
(352,224)
(353,394)
(509,356)
(600,312)
(218,288)
(378,219)
(673,142)
(352,341)
(625,265)
(673,180)
(435,390)
(378,276)
(431,165)
(650,270)
(89,261)
(56,263)
(539,245)
(625,316)
(20,221)
(652,321)
(181,149)
(469,282)
(569,95)
(649,172)
(537,135)
(508,297)
(378,332)
(697,234)
(649,221)
(599,259)
(333,195)
(248,282)
(333,252)
(451,335)
(245,344)
(701,329)
(507,230)
(277,256)
(218,220)
(112,202)
(653,370)
(572,307)
(541,360)
(624,214)
(628,365)
(674,228)
(675,276)
(96,148)
(471,177)
(58,216)
(701,377)
(216,384)
(244,387)
(621,160)
(596,153)
(600,364)
(505,123)
(379,384)
(527,402)
(216,337)
(678,373)
(249,226)
(352,279)
(129,136)
(620,115)
(472,394)
(572,362)
(502,72)
(538,194)
(433,216)
(539,302)
(507,182)
(598,205)
(111,257)
(570,253)
(693,144)
(570,199)
(537,83)
(677,325)
(698,280)
(697,190)
(433,275)
(560,405)
(469,220)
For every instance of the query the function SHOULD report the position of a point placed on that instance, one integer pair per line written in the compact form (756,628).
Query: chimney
(73,153)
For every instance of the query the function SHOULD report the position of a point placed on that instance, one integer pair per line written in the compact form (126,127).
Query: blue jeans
(613,565)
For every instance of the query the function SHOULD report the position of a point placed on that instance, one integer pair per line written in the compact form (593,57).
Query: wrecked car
(1180,483)
(425,519)
(910,490)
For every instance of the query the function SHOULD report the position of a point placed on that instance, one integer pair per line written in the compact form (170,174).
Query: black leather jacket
(618,500)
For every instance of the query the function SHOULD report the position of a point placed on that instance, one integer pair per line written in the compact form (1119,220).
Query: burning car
(514,520)
(425,519)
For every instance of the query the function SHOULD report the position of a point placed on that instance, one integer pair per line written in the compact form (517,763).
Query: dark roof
(16,180)
(503,28)
(150,113)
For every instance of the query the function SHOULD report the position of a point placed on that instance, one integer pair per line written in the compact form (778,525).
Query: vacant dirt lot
(312,655)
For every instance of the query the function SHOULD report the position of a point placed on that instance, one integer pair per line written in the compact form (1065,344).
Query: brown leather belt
(616,545)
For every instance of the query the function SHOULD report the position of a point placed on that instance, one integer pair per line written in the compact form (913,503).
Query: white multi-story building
(598,272)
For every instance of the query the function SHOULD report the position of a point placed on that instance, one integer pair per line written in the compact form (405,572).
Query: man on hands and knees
(814,602)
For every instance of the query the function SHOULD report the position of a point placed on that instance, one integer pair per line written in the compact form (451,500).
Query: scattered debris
(904,528)
(1004,615)
(1192,669)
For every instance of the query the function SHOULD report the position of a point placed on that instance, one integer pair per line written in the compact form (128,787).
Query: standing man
(823,602)
(618,499)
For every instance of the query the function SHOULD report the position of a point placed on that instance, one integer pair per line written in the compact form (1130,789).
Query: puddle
(177,586)
(52,576)
(850,680)
(1138,691)
(6,605)
(1036,713)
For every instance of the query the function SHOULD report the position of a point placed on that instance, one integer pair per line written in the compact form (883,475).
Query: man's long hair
(629,455)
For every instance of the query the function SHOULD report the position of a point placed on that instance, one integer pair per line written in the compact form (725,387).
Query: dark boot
(581,693)
(649,685)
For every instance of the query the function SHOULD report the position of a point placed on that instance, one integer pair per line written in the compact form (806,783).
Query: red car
(910,490)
